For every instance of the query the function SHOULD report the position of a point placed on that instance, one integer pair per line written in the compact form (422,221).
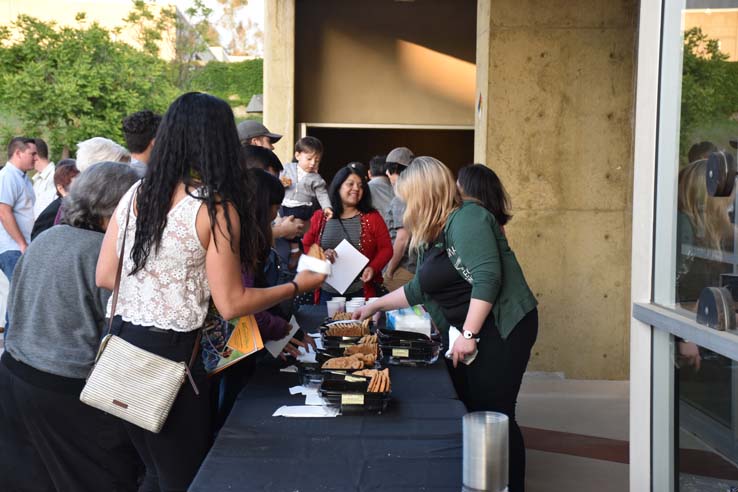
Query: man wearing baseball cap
(401,267)
(252,132)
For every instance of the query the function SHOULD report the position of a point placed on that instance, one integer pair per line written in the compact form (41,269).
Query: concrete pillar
(279,73)
(559,96)
(481,99)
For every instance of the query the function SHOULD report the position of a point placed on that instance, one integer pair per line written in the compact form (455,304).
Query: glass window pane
(706,385)
(707,136)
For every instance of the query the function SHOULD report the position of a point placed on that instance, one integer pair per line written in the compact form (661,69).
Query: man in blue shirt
(16,202)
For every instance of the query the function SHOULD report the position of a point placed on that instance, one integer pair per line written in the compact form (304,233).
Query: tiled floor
(576,433)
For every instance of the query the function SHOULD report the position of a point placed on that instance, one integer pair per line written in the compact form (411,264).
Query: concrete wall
(385,61)
(559,133)
(279,74)
(555,81)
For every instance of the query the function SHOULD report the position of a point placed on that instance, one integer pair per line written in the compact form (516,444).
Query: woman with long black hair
(191,231)
(480,183)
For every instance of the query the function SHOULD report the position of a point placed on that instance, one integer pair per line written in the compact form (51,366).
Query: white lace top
(171,292)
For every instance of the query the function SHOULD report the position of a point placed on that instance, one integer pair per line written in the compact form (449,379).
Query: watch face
(468,335)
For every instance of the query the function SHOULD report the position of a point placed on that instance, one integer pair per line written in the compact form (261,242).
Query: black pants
(492,382)
(49,440)
(228,385)
(303,212)
(173,456)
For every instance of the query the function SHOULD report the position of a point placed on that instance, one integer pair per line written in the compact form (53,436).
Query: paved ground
(576,433)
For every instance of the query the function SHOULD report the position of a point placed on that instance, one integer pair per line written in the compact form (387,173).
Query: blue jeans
(8,260)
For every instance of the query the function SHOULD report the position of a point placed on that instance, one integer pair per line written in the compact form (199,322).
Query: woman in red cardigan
(355,220)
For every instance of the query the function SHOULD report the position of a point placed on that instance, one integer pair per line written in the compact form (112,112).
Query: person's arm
(271,327)
(473,238)
(222,265)
(11,226)
(478,312)
(107,261)
(402,240)
(383,252)
(288,228)
(388,302)
(320,190)
(311,236)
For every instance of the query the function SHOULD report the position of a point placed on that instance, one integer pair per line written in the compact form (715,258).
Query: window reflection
(707,441)
(708,131)
(706,413)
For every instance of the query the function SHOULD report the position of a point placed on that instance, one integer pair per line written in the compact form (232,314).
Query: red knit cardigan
(375,244)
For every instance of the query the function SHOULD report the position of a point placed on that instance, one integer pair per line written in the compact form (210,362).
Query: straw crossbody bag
(132,383)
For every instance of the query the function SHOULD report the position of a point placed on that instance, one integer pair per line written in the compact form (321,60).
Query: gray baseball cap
(400,155)
(252,128)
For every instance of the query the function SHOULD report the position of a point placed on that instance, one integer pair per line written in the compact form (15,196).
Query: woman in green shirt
(468,278)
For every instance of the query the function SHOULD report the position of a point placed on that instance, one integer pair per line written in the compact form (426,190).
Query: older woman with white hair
(99,149)
(52,440)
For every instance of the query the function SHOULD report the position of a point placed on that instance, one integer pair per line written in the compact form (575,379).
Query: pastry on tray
(361,348)
(356,361)
(357,329)
(380,380)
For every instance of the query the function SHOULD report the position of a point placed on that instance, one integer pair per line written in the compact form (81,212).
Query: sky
(254,11)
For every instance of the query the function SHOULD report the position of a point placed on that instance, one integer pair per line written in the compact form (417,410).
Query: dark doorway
(455,148)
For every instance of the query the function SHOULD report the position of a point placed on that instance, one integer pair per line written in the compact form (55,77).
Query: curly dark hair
(481,183)
(364,205)
(197,145)
(139,129)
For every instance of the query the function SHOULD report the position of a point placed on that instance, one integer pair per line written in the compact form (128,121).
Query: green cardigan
(479,251)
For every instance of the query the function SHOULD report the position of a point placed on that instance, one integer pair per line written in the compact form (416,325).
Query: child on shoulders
(305,189)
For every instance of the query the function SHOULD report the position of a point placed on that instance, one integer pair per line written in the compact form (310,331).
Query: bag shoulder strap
(119,270)
(118,274)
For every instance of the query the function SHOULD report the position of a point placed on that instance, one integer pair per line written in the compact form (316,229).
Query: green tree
(234,82)
(73,83)
(152,29)
(190,33)
(709,86)
(193,38)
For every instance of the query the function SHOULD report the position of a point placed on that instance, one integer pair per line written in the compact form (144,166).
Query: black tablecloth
(414,445)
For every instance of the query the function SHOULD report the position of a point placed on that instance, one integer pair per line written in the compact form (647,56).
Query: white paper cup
(333,307)
(351,308)
(342,299)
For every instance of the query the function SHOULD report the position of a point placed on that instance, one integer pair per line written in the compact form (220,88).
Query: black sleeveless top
(442,282)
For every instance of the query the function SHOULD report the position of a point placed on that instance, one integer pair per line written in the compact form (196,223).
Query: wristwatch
(468,335)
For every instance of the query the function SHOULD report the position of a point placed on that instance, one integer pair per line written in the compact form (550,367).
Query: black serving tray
(408,348)
(394,337)
(349,393)
(410,356)
(339,342)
